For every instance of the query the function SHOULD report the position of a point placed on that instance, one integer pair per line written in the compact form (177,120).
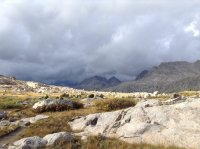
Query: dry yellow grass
(7,129)
(98,142)
(58,121)
(190,94)
(161,98)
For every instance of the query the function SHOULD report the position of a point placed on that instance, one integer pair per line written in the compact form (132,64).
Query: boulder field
(151,121)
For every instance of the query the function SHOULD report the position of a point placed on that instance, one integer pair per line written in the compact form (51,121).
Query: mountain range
(92,83)
(166,77)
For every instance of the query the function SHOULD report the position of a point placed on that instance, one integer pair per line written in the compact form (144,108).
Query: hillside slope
(167,77)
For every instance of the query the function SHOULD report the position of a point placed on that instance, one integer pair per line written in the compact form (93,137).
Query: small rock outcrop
(23,122)
(38,142)
(29,143)
(31,120)
(151,122)
(58,137)
(56,105)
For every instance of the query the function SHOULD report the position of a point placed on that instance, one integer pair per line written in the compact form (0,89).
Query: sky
(46,40)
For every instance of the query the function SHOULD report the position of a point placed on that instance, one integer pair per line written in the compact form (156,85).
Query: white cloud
(74,39)
(192,27)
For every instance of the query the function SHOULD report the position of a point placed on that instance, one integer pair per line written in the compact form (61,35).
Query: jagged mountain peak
(114,79)
(98,83)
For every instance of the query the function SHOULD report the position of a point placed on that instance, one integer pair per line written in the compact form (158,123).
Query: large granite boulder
(38,142)
(150,122)
(56,105)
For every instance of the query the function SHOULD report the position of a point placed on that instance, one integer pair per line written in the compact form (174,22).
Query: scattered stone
(148,103)
(176,124)
(3,115)
(5,123)
(88,102)
(178,99)
(176,95)
(11,119)
(84,138)
(91,96)
(155,93)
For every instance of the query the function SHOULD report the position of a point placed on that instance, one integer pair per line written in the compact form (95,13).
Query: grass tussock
(160,97)
(9,102)
(99,142)
(21,113)
(10,105)
(190,94)
(114,104)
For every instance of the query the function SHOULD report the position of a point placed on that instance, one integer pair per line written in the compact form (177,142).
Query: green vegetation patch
(10,105)
(9,102)
(114,104)
(99,142)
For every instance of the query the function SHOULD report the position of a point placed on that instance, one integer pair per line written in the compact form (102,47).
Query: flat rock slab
(29,143)
(148,122)
(24,121)
(34,119)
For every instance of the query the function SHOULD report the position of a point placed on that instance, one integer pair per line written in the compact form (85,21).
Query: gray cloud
(74,39)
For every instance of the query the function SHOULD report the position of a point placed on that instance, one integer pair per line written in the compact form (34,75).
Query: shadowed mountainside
(98,83)
(167,77)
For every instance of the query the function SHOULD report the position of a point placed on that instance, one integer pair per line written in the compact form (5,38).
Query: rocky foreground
(176,122)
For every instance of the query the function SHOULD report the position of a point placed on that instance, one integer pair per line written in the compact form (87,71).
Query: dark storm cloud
(74,39)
